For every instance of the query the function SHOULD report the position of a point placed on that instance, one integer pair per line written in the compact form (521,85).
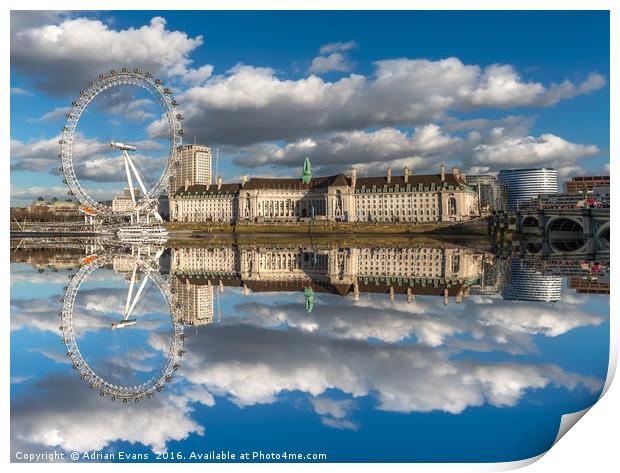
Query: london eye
(98,341)
(124,128)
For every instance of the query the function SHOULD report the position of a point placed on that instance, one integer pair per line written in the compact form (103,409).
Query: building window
(452,206)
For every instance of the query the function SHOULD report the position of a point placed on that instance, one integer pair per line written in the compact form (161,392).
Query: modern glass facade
(523,184)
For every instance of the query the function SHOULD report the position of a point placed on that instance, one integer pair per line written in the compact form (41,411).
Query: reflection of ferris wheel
(147,199)
(162,375)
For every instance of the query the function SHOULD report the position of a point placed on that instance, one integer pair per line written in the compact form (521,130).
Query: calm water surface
(422,352)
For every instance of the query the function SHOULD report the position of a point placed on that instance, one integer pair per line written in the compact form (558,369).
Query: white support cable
(130,291)
(140,289)
(135,171)
(129,180)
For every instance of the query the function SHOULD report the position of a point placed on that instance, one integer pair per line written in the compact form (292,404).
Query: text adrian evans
(168,456)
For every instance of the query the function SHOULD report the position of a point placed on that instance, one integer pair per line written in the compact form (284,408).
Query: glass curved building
(527,284)
(523,184)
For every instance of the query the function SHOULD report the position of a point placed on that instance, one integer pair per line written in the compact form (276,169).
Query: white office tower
(193,169)
(522,185)
(194,300)
(526,284)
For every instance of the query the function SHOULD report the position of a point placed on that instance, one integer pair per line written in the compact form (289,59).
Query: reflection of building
(495,272)
(124,202)
(447,272)
(408,198)
(589,285)
(194,301)
(194,168)
(580,183)
(528,284)
(523,184)
(491,193)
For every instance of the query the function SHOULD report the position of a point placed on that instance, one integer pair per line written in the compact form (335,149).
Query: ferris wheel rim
(175,132)
(136,392)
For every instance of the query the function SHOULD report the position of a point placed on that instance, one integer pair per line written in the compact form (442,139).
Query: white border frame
(593,445)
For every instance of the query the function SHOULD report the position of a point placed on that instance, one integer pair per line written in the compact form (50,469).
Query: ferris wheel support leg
(129,180)
(135,172)
(130,291)
(158,217)
(138,294)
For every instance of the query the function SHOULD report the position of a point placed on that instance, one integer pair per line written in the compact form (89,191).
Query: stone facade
(214,203)
(408,198)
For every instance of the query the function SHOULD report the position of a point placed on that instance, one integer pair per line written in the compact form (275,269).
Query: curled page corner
(568,421)
(515,465)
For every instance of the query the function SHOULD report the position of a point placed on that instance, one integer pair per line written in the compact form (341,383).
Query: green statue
(307,174)
(309,296)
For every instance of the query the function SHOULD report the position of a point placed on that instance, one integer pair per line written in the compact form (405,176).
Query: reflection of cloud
(54,355)
(339,423)
(253,365)
(490,322)
(333,412)
(332,407)
(20,379)
(94,310)
(61,412)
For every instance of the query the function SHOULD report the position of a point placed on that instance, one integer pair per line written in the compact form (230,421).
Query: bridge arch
(533,248)
(529,224)
(566,234)
(603,236)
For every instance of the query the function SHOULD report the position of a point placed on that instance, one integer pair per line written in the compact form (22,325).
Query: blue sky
(482,90)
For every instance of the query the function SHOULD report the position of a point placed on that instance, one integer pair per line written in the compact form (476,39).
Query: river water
(415,352)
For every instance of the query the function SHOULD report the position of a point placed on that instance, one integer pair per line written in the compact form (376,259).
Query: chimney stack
(244,180)
(219,183)
(406,175)
(456,173)
(389,175)
(443,172)
(353,177)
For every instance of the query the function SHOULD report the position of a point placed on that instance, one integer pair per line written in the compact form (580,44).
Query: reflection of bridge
(571,232)
(77,227)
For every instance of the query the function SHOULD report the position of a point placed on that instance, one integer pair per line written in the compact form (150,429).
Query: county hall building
(407,198)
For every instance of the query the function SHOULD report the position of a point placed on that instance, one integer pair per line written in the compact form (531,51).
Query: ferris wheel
(107,384)
(144,193)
